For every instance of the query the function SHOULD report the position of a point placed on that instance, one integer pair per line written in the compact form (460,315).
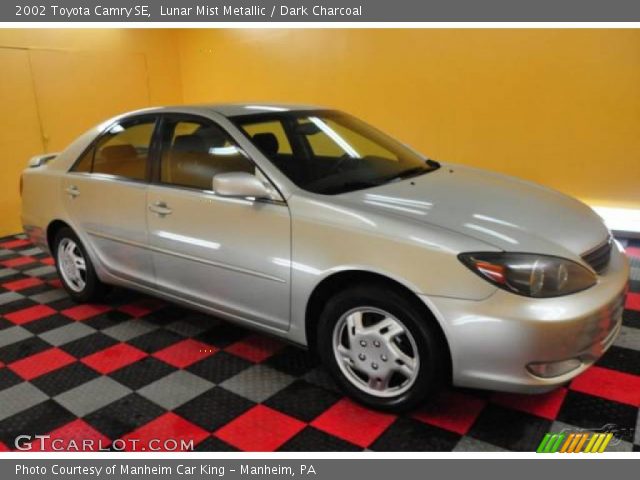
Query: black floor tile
(65,378)
(407,434)
(509,429)
(219,367)
(124,416)
(141,373)
(587,411)
(311,439)
(214,408)
(302,400)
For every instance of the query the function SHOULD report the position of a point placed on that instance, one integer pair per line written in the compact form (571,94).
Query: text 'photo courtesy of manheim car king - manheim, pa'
(403,273)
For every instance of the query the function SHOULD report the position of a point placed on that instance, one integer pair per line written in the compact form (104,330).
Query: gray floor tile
(18,398)
(130,329)
(4,252)
(616,445)
(92,395)
(175,389)
(7,272)
(67,333)
(9,297)
(469,444)
(628,338)
(12,335)
(49,296)
(40,271)
(31,251)
(257,383)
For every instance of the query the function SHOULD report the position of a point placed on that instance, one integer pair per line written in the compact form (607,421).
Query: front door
(230,254)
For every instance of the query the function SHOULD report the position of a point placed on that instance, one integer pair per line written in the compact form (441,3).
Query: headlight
(530,274)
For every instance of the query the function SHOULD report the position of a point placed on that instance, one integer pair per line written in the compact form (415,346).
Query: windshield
(330,152)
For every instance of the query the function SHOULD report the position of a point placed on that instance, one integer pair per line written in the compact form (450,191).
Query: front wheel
(381,348)
(75,268)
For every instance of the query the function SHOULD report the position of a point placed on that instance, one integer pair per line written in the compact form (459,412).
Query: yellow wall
(58,83)
(560,107)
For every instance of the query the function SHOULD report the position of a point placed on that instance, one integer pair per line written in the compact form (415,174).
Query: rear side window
(194,151)
(123,151)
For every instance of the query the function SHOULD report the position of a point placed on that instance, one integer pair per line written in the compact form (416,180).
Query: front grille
(598,258)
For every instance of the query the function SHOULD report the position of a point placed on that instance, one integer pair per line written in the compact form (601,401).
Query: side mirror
(239,184)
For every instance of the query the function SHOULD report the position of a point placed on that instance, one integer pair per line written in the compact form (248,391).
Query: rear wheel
(75,268)
(381,349)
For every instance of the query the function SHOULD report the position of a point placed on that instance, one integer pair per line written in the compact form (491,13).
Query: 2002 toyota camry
(402,272)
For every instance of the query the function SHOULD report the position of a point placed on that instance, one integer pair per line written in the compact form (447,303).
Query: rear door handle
(72,190)
(160,208)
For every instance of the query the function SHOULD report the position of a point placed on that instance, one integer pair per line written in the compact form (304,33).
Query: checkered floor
(139,368)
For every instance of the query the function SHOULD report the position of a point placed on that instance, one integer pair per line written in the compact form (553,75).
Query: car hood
(508,213)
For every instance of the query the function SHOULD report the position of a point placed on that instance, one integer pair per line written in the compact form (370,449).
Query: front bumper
(493,340)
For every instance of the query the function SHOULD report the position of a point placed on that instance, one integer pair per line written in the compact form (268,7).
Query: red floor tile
(610,384)
(82,312)
(633,301)
(353,423)
(184,353)
(16,262)
(255,348)
(452,411)
(26,315)
(15,243)
(546,405)
(169,428)
(112,358)
(77,436)
(41,363)
(260,429)
(18,285)
(48,261)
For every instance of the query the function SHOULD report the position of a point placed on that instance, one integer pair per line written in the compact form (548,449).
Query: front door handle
(72,190)
(160,208)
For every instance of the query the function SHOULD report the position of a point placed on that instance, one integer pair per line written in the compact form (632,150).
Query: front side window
(329,152)
(195,150)
(123,151)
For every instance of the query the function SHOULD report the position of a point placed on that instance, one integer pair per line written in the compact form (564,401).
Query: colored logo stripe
(574,443)
(550,443)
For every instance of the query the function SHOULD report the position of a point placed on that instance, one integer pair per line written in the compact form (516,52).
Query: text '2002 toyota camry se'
(401,272)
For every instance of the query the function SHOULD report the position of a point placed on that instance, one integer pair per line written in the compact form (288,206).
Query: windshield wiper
(411,172)
(415,171)
(350,186)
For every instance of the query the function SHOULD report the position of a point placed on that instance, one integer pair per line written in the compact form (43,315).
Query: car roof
(232,109)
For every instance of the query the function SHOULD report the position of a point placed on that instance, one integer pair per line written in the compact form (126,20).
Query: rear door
(105,195)
(230,254)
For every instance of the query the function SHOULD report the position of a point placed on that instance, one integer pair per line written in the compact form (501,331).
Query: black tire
(433,370)
(94,290)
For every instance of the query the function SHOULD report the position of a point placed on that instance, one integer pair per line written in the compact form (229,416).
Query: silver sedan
(402,272)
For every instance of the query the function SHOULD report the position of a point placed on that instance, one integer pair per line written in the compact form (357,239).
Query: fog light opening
(554,369)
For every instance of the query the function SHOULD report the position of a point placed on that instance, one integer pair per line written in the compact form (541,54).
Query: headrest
(267,143)
(189,143)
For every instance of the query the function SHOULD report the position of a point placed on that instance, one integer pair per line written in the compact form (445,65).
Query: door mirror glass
(240,184)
